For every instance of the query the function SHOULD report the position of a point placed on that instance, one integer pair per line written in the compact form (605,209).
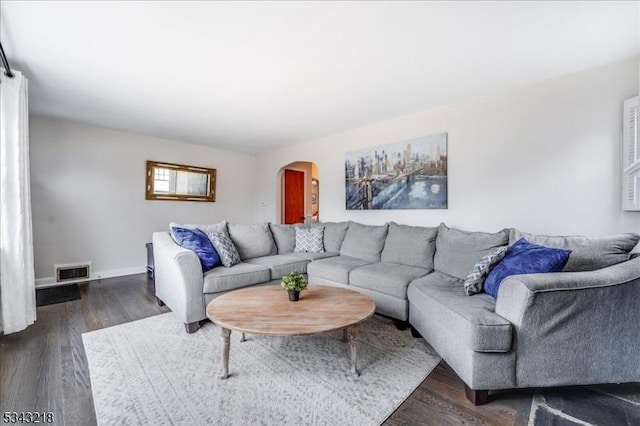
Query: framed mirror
(167,181)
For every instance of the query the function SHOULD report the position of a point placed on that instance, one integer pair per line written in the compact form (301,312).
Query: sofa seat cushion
(281,265)
(385,277)
(239,275)
(471,319)
(335,268)
(314,256)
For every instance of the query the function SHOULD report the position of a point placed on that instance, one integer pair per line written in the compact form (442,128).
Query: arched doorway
(299,192)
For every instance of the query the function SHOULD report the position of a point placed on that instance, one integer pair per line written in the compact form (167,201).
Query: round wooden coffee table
(267,310)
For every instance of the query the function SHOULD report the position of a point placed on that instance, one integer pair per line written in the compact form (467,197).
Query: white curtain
(17,276)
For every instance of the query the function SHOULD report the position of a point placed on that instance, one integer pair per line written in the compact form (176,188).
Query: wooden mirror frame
(151,194)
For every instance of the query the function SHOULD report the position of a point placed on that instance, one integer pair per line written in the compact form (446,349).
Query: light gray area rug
(151,372)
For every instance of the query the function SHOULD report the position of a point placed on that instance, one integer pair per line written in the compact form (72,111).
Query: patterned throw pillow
(225,248)
(478,273)
(309,240)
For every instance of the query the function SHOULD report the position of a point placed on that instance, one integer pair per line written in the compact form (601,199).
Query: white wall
(543,158)
(88,194)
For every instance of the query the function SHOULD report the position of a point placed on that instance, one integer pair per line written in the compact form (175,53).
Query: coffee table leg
(244,339)
(226,340)
(353,348)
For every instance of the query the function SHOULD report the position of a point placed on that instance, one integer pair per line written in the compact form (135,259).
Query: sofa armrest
(518,292)
(178,277)
(575,327)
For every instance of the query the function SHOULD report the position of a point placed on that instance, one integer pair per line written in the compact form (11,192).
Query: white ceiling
(253,76)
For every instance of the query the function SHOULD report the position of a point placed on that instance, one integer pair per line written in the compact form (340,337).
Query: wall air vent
(73,271)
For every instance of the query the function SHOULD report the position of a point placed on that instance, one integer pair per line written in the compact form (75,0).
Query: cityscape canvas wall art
(410,174)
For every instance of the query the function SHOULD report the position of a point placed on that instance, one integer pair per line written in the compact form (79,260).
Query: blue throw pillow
(197,241)
(525,258)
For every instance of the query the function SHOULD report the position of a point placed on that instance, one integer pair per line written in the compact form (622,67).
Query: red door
(293,196)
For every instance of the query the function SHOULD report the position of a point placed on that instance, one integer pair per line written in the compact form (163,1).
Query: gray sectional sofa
(575,327)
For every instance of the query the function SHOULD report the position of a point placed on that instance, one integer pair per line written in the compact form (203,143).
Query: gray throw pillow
(364,241)
(587,253)
(478,273)
(410,245)
(252,240)
(457,251)
(309,240)
(224,246)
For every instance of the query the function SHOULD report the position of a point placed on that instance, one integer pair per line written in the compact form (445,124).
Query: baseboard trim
(51,281)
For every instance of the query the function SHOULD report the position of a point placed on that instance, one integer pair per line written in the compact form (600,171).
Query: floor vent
(73,271)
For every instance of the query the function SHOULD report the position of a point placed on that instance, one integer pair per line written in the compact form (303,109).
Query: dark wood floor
(44,368)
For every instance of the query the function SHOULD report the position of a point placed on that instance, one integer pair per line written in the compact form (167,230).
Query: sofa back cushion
(457,251)
(587,253)
(364,241)
(214,227)
(410,245)
(284,237)
(334,233)
(252,240)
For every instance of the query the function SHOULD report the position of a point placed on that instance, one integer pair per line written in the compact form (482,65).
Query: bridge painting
(410,174)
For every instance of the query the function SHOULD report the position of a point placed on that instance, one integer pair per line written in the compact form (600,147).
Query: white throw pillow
(309,240)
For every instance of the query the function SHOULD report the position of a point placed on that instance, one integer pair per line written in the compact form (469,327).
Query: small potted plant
(294,283)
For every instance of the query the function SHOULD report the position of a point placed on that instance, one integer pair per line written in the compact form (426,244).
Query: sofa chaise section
(475,341)
(575,328)
(550,329)
(464,330)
